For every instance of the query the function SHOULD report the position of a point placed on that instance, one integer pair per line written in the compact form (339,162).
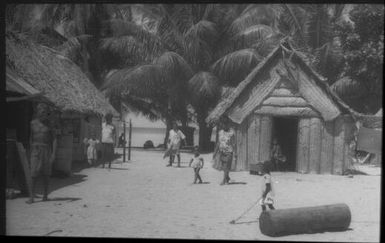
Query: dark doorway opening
(285,130)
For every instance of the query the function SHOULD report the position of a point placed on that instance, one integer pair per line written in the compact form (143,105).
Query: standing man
(108,140)
(174,141)
(43,148)
(226,148)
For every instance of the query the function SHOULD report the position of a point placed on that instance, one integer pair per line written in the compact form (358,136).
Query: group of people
(105,146)
(43,146)
(224,152)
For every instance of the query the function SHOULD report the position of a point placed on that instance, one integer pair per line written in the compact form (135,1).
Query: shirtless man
(43,149)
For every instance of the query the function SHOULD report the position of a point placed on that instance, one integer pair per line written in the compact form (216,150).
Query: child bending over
(267,189)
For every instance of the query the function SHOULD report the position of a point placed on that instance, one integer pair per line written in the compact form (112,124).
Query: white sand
(144,198)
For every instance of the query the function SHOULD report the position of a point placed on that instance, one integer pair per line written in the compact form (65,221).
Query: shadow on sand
(248,222)
(57,183)
(60,199)
(237,183)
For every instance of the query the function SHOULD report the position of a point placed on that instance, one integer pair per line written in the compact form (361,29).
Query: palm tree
(192,48)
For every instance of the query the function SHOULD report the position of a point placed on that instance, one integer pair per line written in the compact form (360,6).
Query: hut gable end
(282,86)
(254,95)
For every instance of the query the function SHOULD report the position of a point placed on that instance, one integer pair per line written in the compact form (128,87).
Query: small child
(267,188)
(196,163)
(91,151)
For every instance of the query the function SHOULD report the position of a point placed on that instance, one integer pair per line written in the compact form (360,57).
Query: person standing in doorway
(175,139)
(108,140)
(226,148)
(43,148)
(122,141)
(277,157)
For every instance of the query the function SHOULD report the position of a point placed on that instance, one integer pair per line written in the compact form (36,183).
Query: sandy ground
(144,198)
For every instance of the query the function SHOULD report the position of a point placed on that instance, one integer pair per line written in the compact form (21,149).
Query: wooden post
(124,145)
(315,145)
(339,143)
(303,145)
(129,140)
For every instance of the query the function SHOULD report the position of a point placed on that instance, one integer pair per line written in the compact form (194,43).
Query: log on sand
(280,222)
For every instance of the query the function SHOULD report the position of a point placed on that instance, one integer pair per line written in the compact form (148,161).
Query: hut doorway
(285,130)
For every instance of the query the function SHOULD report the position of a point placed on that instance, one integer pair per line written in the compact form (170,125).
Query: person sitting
(277,157)
(122,141)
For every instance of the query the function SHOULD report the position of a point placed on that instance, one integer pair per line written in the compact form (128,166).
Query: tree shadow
(237,183)
(114,168)
(248,222)
(57,183)
(311,232)
(60,199)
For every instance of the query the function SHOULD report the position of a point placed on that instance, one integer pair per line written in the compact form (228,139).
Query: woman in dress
(225,150)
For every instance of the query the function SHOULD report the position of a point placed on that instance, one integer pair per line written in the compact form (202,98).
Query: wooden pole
(280,222)
(124,145)
(129,141)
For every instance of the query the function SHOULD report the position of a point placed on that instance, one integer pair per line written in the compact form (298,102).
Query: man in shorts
(43,148)
(175,139)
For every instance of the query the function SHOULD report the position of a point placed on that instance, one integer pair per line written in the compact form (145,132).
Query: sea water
(156,134)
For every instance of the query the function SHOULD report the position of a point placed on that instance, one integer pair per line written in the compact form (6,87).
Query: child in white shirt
(197,163)
(267,188)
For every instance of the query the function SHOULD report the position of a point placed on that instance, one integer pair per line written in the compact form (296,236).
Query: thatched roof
(60,80)
(226,103)
(17,85)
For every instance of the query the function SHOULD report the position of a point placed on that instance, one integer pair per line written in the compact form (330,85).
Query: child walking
(196,163)
(267,188)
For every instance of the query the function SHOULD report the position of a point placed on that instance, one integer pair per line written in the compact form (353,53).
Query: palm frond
(347,87)
(254,14)
(198,53)
(252,35)
(170,36)
(174,67)
(234,67)
(129,49)
(204,89)
(199,42)
(71,48)
(318,29)
(205,30)
(292,21)
(146,107)
(265,46)
(144,81)
(182,17)
(329,61)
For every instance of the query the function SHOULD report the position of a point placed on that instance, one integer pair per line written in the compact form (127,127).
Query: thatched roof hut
(60,80)
(226,101)
(284,99)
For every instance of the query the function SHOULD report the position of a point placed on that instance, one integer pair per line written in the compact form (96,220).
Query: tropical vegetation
(171,61)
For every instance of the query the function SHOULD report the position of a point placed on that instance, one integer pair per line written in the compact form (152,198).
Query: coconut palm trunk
(204,131)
